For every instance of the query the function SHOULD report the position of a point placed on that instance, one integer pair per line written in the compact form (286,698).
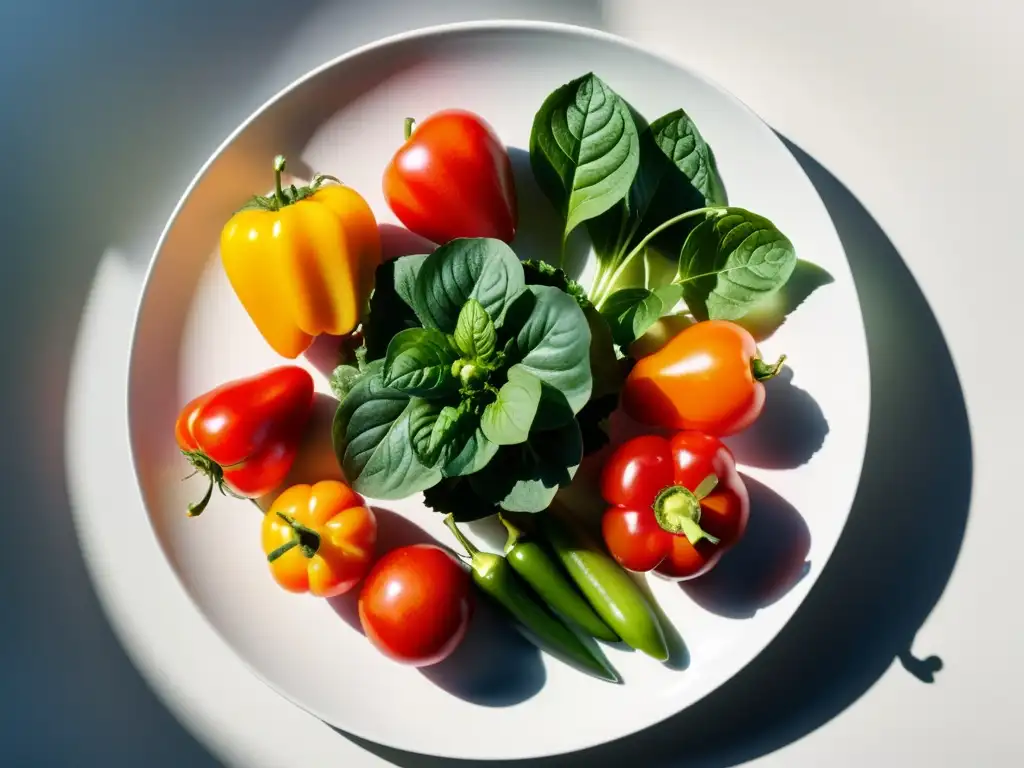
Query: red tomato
(453,178)
(677,505)
(416,603)
(707,378)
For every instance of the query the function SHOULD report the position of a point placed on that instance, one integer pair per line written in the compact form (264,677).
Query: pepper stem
(470,548)
(306,538)
(279,166)
(196,507)
(763,371)
(409,123)
(514,533)
(677,510)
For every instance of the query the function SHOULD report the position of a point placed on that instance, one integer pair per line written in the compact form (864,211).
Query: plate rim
(437,31)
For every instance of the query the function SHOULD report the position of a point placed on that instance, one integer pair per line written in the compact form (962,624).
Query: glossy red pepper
(677,505)
(452,178)
(244,434)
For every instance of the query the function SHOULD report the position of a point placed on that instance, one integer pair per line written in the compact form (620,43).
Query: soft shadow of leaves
(768,315)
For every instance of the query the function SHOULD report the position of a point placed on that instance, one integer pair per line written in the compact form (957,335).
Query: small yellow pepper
(302,260)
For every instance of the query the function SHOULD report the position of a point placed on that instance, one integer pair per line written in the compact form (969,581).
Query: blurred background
(110,107)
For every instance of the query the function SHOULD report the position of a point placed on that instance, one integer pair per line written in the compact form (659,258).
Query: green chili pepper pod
(548,579)
(495,577)
(610,590)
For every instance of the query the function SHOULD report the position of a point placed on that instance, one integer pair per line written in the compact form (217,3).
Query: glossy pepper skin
(452,178)
(609,589)
(676,505)
(548,579)
(244,434)
(319,538)
(493,575)
(707,378)
(302,261)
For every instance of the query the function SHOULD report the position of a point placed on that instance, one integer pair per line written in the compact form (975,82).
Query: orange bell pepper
(302,260)
(319,538)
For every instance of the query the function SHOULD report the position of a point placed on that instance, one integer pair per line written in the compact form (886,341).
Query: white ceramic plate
(495,698)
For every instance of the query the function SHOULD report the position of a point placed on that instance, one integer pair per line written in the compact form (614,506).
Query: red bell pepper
(244,434)
(452,178)
(677,505)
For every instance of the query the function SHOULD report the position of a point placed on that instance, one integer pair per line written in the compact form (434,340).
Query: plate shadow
(890,566)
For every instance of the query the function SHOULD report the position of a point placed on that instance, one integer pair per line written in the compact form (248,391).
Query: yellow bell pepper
(302,260)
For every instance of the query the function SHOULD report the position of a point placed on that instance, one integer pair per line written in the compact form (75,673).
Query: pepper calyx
(678,511)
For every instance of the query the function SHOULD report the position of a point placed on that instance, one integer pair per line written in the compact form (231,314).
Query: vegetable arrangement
(482,380)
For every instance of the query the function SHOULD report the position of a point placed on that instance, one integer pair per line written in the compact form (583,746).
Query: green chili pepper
(495,577)
(549,580)
(610,590)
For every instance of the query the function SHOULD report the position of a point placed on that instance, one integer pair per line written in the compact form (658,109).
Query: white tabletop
(907,117)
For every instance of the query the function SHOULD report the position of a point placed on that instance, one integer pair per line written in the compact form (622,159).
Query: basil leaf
(732,261)
(468,452)
(678,138)
(478,268)
(526,477)
(549,337)
(677,173)
(343,379)
(390,309)
(474,332)
(584,149)
(508,419)
(433,428)
(372,440)
(419,362)
(406,269)
(630,312)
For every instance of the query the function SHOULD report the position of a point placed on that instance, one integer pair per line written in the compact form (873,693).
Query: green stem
(470,548)
(639,247)
(677,510)
(305,537)
(514,533)
(763,371)
(279,166)
(196,508)
(409,123)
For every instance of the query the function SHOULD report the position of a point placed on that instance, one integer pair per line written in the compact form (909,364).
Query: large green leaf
(468,452)
(508,419)
(478,268)
(419,362)
(548,336)
(678,138)
(372,439)
(584,149)
(731,261)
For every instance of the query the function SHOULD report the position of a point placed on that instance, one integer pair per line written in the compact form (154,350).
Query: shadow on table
(891,564)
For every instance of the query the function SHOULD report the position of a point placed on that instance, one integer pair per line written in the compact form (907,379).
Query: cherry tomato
(677,505)
(416,603)
(452,178)
(707,378)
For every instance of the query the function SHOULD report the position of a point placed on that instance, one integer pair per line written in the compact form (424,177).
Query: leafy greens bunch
(656,211)
(473,387)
